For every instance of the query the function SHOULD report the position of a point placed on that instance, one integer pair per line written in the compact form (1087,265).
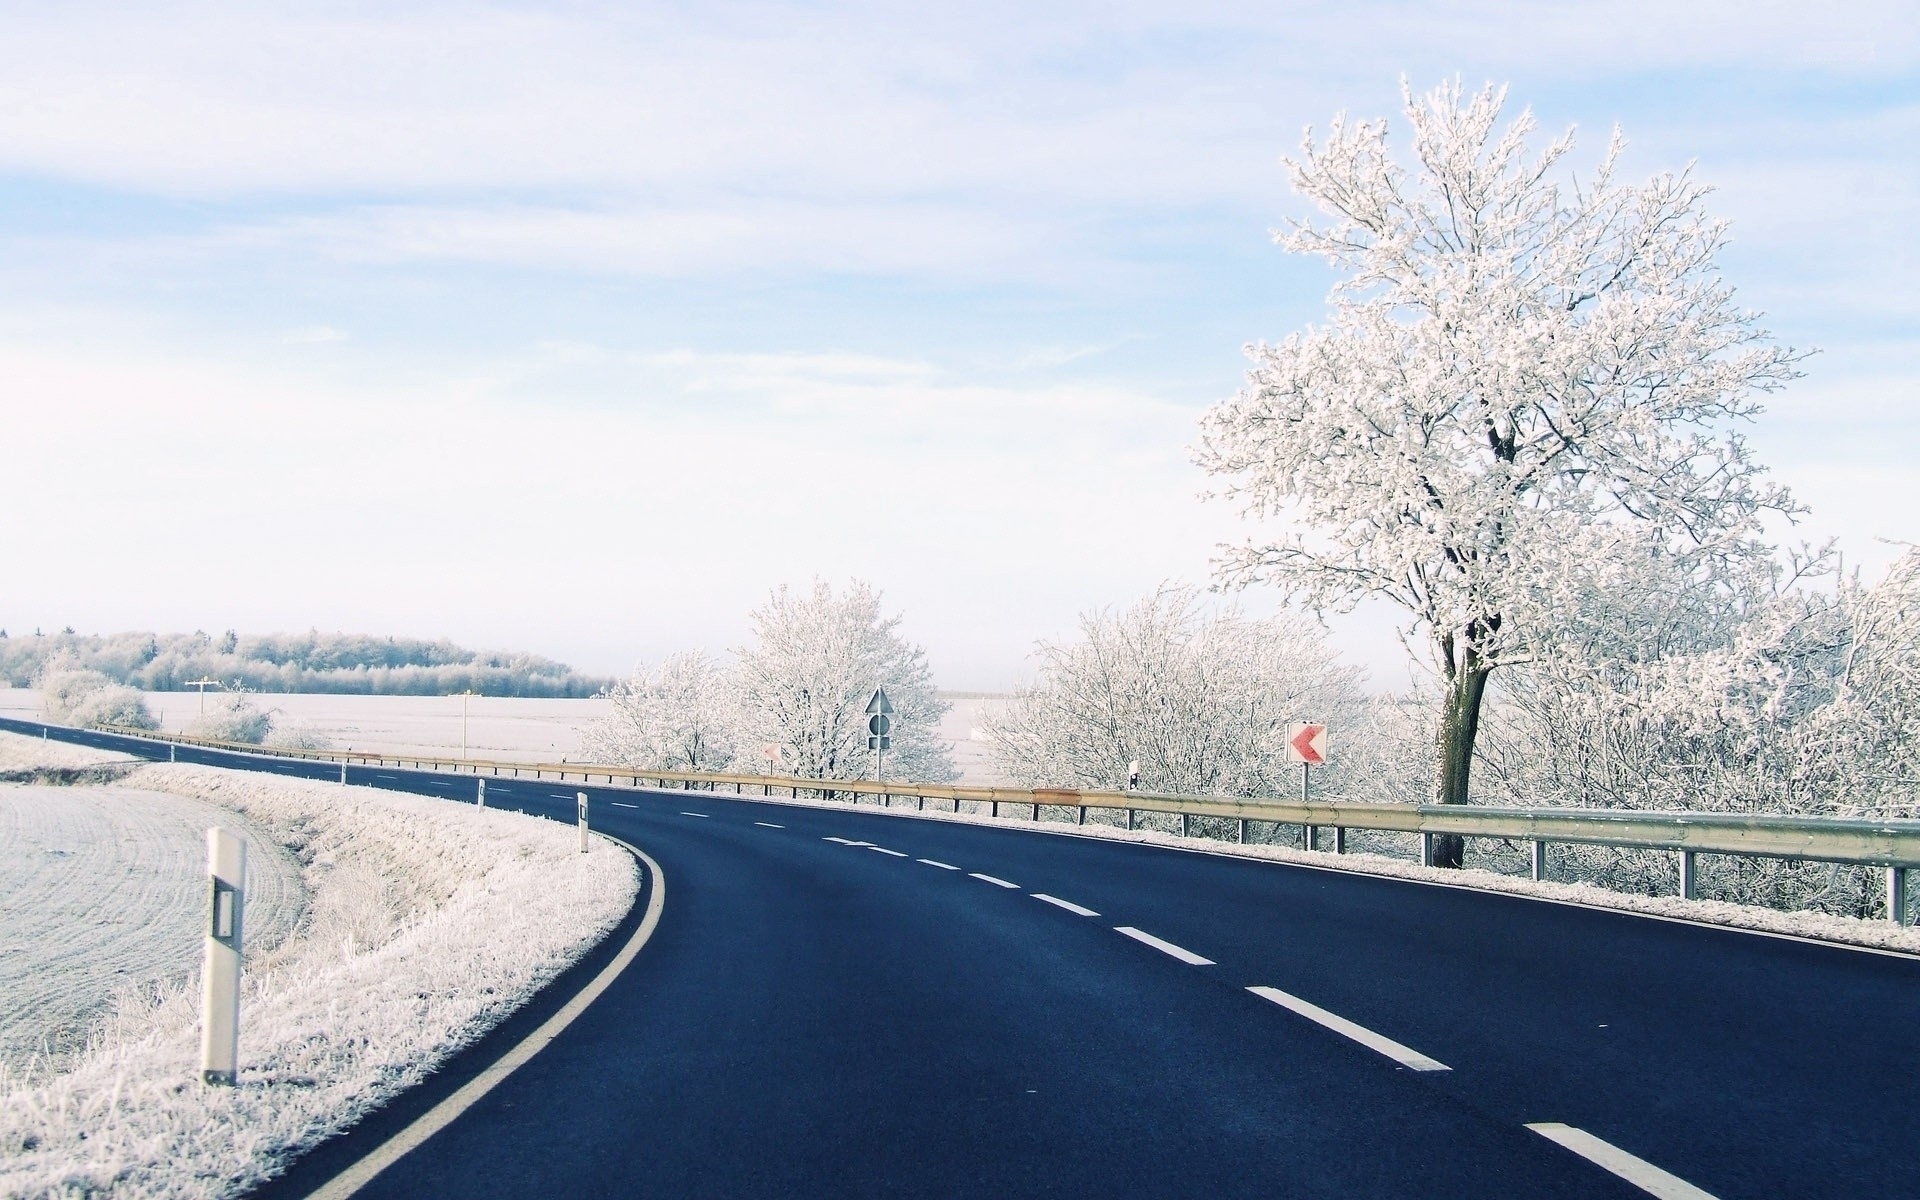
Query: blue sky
(575,328)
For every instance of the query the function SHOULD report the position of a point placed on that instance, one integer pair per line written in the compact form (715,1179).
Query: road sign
(1307,743)
(879,724)
(879,704)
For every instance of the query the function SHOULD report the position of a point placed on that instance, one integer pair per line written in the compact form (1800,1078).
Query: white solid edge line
(361,1173)
(936,863)
(990,879)
(1164,947)
(884,850)
(1636,1171)
(768,825)
(690,814)
(1069,905)
(1406,1056)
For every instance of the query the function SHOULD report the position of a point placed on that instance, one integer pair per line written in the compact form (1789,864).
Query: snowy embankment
(428,922)
(105,895)
(1848,931)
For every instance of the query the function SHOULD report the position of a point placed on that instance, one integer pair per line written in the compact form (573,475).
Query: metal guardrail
(1890,843)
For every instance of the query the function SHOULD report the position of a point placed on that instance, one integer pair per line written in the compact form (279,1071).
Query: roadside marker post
(482,799)
(583,820)
(220,976)
(1307,745)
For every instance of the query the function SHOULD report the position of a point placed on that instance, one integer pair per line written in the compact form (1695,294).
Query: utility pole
(203,685)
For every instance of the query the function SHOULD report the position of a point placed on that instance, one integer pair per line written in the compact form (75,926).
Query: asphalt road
(827,1009)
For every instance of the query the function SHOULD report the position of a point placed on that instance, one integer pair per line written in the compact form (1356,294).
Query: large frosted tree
(1513,356)
(804,684)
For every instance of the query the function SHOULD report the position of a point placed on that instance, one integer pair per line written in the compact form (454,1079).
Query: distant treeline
(344,663)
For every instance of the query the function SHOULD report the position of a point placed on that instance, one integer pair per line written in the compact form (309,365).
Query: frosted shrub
(1203,702)
(294,737)
(680,716)
(64,690)
(115,705)
(233,717)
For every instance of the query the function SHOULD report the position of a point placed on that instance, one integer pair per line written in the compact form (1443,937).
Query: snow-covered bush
(681,716)
(804,684)
(297,737)
(1767,699)
(1202,702)
(232,717)
(82,697)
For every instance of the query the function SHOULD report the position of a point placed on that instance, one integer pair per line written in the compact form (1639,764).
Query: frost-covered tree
(1202,701)
(804,684)
(680,716)
(1512,358)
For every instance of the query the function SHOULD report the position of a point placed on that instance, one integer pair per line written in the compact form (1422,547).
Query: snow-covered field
(106,892)
(427,922)
(500,728)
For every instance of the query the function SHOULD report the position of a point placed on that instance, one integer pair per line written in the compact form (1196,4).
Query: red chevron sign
(1307,743)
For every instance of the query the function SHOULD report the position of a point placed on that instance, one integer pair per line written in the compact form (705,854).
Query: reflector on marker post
(583,821)
(220,976)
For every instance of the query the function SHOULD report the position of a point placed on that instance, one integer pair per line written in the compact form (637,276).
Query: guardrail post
(1426,849)
(1082,818)
(1309,838)
(1339,839)
(1897,895)
(996,808)
(1186,824)
(1539,860)
(1689,876)
(220,975)
(1129,819)
(1242,835)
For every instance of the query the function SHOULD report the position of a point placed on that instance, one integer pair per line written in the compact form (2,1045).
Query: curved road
(845,1003)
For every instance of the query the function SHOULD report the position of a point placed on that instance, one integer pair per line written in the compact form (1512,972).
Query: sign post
(880,731)
(1307,745)
(220,974)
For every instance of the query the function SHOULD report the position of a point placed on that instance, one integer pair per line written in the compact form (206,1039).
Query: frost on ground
(106,893)
(428,922)
(1375,856)
(22,754)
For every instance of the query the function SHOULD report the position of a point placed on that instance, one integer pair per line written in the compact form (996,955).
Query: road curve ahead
(844,1003)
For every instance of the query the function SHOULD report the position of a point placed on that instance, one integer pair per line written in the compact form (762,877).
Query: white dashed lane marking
(990,879)
(1069,905)
(1164,947)
(1406,1056)
(1636,1171)
(622,804)
(688,814)
(884,850)
(936,863)
(768,825)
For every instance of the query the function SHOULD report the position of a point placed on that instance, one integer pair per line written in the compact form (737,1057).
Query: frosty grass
(429,921)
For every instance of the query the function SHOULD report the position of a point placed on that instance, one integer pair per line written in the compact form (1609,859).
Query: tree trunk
(1459,726)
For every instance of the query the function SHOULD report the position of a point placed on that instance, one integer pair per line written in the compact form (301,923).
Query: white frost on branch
(1202,701)
(1514,357)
